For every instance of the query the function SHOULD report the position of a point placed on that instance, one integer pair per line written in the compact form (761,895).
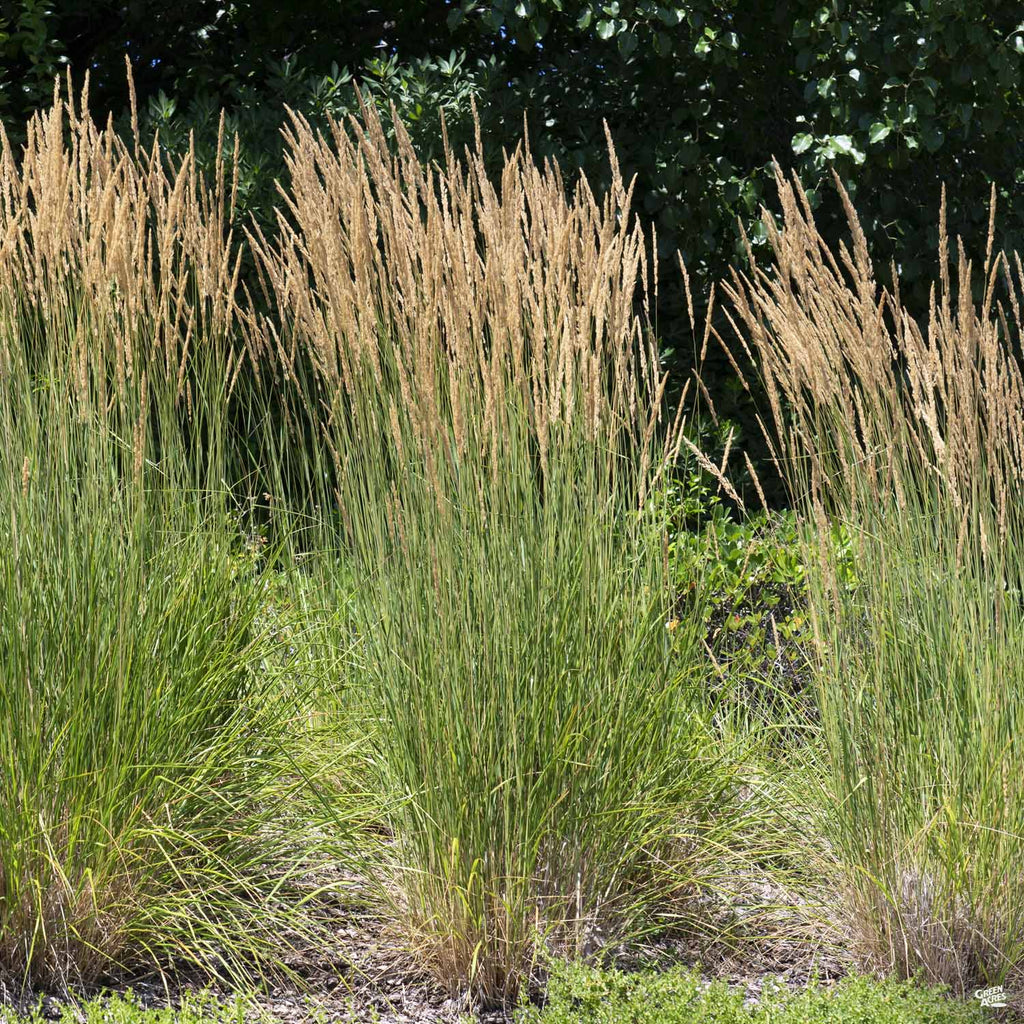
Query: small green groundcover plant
(579,994)
(193,1008)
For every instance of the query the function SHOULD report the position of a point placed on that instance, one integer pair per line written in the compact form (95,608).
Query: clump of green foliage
(578,994)
(126,1008)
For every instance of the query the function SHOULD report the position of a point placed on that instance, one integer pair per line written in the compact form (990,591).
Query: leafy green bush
(752,564)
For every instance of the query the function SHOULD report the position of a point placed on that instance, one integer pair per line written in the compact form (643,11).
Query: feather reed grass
(911,436)
(478,376)
(138,747)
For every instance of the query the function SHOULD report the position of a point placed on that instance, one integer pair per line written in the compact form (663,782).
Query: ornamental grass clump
(137,744)
(485,397)
(912,436)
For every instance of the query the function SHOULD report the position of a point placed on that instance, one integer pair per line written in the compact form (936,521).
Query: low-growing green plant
(583,995)
(752,564)
(126,1008)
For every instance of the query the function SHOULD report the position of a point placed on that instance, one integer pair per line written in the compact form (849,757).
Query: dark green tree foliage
(191,58)
(897,98)
(188,48)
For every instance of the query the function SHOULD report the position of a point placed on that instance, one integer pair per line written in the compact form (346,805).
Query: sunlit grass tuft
(141,763)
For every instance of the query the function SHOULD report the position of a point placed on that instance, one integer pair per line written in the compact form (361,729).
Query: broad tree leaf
(802,142)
